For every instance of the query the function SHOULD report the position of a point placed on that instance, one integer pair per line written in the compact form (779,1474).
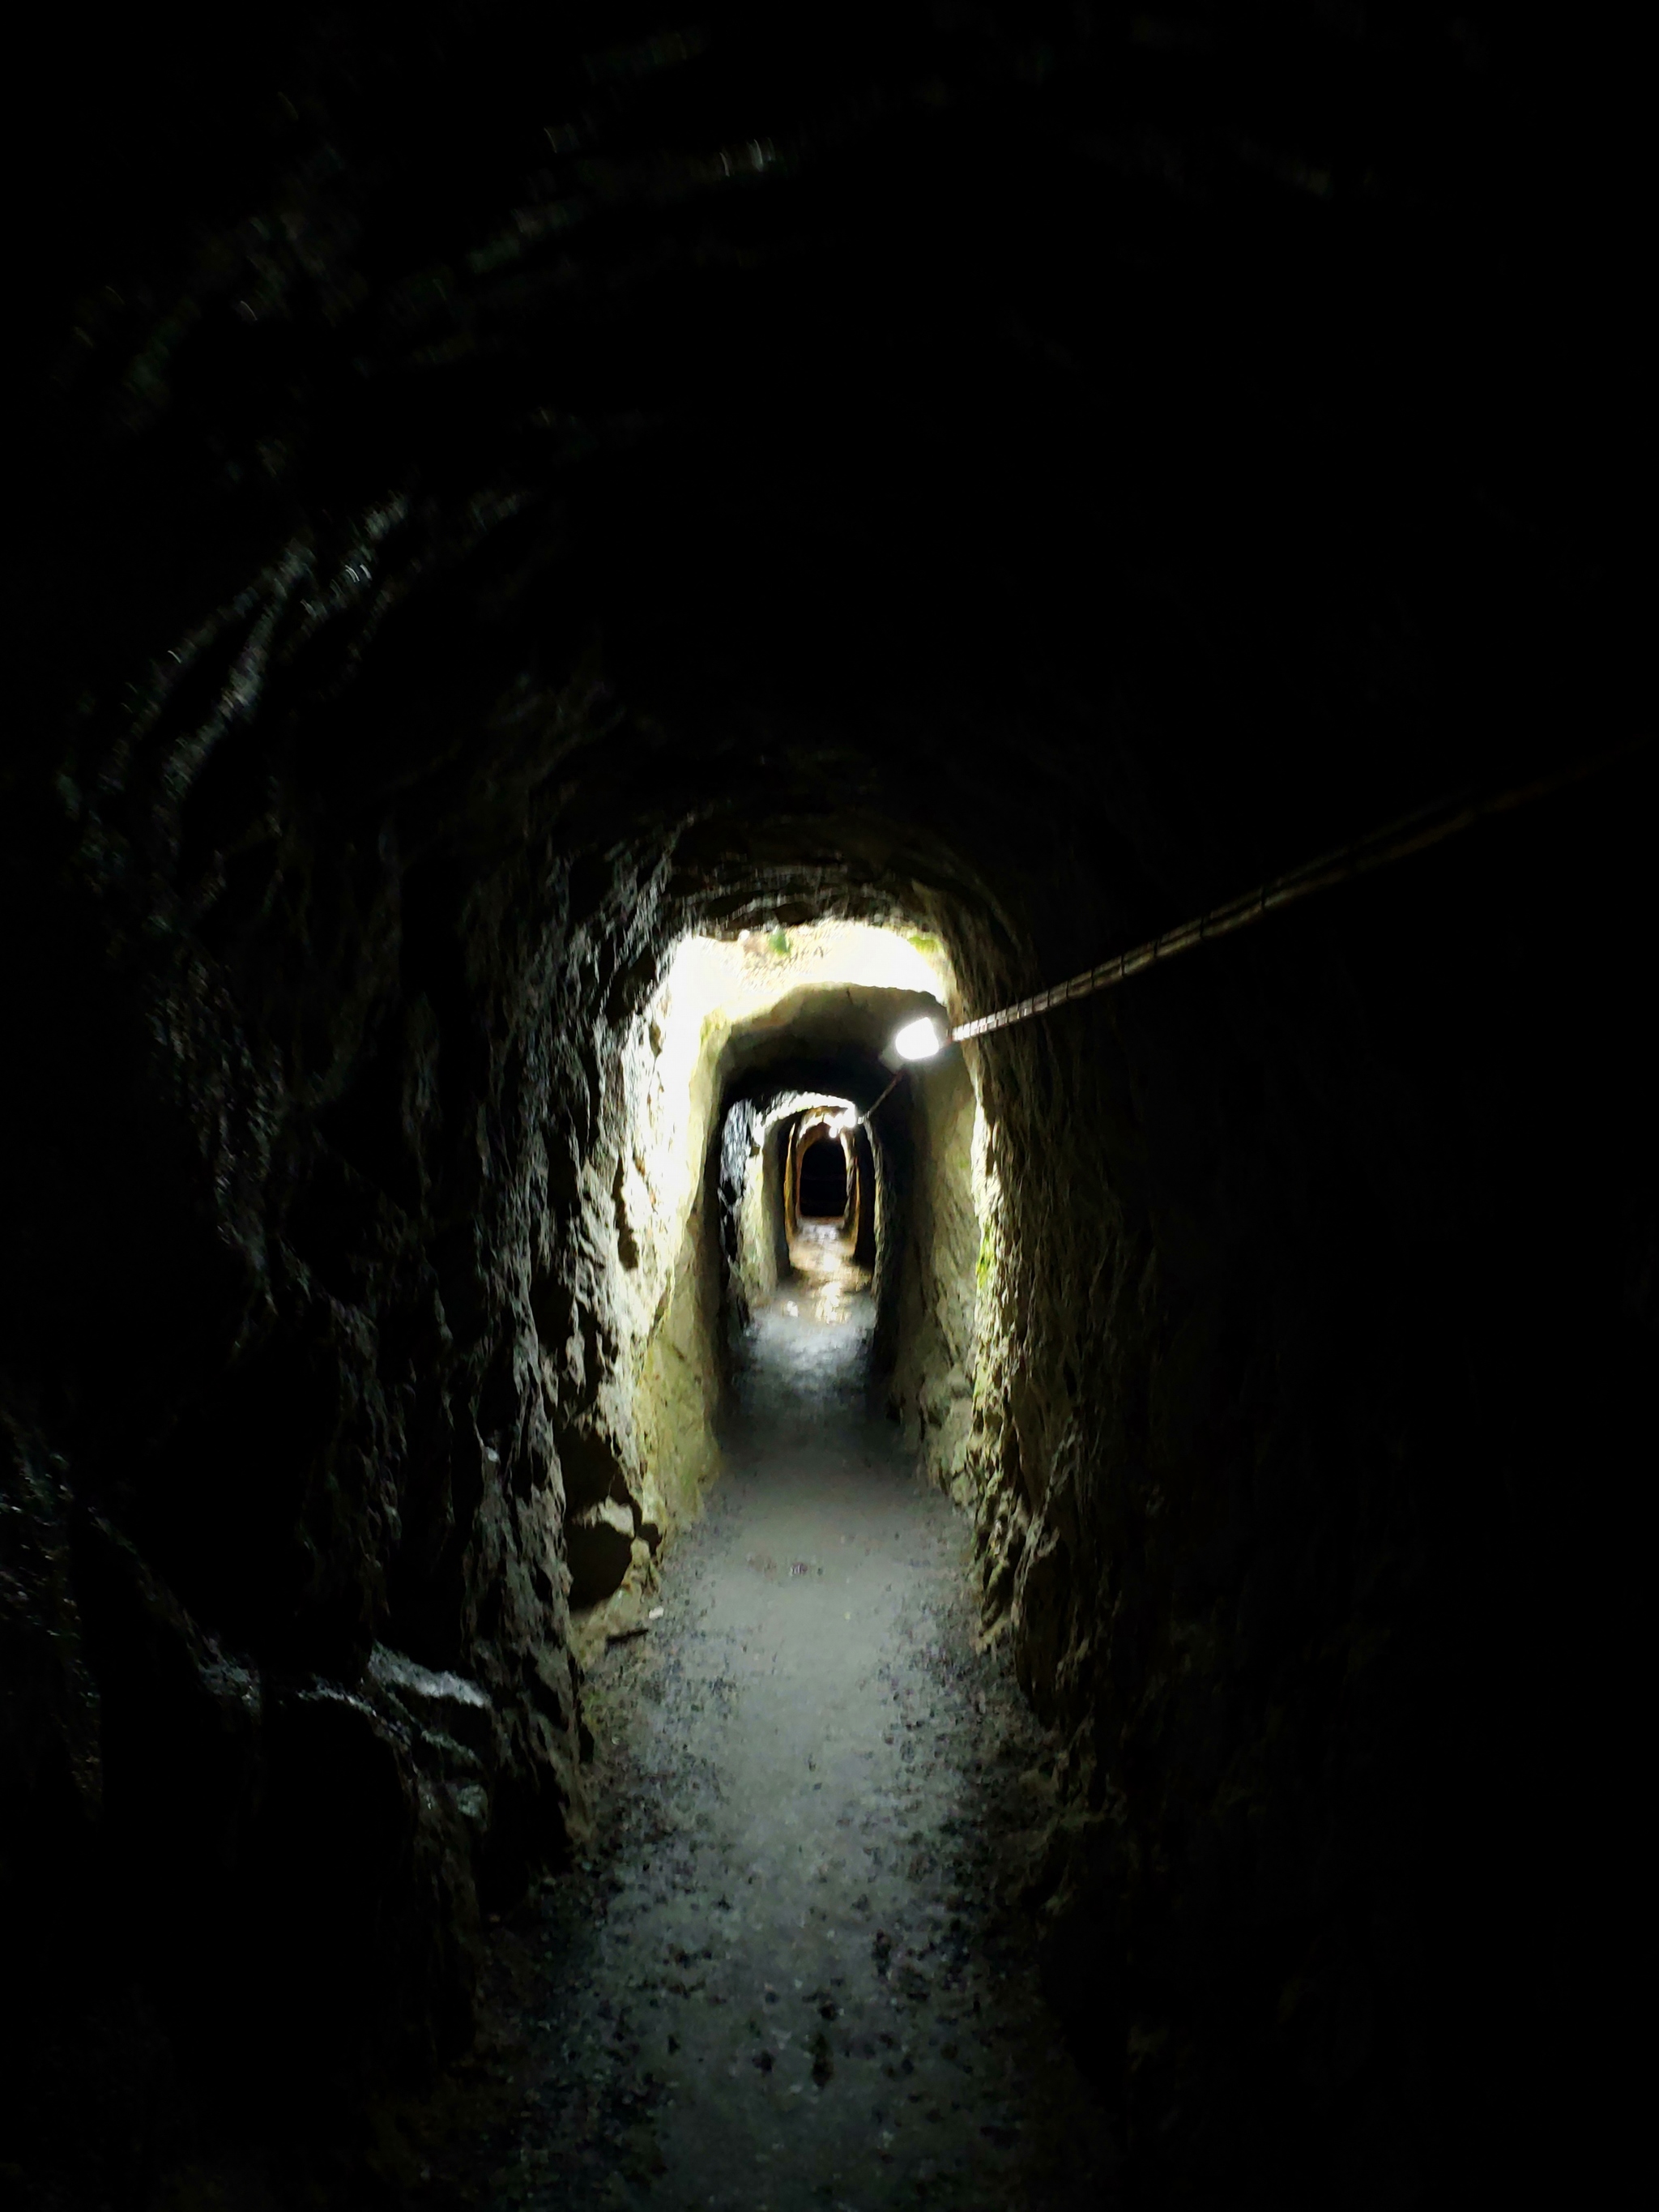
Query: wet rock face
(514,501)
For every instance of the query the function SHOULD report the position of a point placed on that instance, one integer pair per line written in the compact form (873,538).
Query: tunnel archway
(824,1190)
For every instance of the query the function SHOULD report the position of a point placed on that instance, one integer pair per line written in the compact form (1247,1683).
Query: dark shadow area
(824,1195)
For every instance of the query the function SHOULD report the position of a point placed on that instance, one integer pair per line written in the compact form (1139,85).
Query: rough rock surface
(934,1345)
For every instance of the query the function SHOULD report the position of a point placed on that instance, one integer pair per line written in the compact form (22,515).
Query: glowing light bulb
(918,1040)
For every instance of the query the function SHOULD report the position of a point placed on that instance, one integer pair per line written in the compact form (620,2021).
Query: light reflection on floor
(821,1253)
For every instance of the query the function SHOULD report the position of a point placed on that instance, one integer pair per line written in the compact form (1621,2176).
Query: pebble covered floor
(791,1970)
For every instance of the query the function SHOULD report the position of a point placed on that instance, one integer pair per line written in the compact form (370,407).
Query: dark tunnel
(823,1179)
(610,1591)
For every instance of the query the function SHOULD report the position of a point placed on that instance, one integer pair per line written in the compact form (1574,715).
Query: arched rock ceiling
(821,1039)
(1047,464)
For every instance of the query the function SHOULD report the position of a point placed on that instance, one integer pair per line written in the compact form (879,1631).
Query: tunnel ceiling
(923,450)
(822,1038)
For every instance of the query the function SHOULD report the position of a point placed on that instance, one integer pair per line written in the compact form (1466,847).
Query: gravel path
(790,1972)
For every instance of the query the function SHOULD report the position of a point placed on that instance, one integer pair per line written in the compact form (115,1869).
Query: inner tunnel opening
(825,1185)
(761,1147)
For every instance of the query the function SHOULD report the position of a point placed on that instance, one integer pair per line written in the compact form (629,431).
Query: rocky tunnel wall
(933,1330)
(1286,1368)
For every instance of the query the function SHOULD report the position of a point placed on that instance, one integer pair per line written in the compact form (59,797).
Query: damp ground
(791,1970)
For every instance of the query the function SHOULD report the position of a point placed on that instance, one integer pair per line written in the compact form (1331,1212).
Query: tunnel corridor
(588,572)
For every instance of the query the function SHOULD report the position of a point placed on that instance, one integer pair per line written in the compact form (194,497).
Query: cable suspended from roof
(1413,833)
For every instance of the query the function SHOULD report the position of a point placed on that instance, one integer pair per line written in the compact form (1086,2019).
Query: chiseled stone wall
(933,1382)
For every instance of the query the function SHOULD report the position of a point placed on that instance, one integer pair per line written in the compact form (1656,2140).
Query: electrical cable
(861,1119)
(1412,833)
